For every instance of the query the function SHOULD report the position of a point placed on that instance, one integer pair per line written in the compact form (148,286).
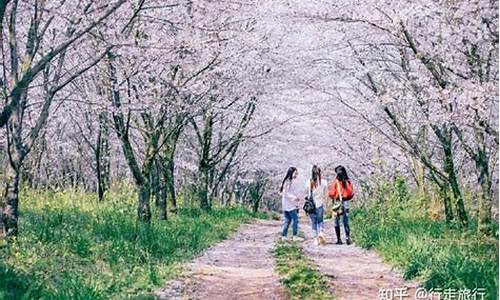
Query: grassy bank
(71,247)
(440,256)
(300,279)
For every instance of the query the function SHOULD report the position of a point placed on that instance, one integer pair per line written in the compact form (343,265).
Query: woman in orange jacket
(341,190)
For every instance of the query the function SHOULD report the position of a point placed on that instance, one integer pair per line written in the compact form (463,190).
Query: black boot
(347,234)
(337,232)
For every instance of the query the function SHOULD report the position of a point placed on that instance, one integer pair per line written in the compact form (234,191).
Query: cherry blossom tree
(43,60)
(217,99)
(431,68)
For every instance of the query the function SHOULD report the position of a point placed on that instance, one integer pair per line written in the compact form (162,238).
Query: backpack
(346,190)
(309,206)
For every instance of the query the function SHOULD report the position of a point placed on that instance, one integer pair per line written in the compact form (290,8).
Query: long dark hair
(341,174)
(289,176)
(315,177)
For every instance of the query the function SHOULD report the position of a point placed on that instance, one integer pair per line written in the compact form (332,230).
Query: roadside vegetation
(73,247)
(406,232)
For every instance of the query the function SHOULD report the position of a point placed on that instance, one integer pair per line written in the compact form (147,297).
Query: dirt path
(354,273)
(242,267)
(238,268)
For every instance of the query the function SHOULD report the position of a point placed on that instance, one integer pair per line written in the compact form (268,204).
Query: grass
(300,279)
(71,247)
(440,256)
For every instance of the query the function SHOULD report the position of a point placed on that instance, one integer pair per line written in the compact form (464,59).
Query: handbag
(337,204)
(309,206)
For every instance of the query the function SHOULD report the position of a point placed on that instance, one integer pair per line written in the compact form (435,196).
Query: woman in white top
(318,187)
(290,203)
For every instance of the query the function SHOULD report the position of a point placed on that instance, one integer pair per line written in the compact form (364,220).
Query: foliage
(397,192)
(73,247)
(301,280)
(201,95)
(430,250)
(411,81)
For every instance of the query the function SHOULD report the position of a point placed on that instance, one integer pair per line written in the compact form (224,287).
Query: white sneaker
(284,238)
(316,241)
(321,239)
(297,239)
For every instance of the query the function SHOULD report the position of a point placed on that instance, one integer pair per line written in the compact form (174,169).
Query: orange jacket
(346,189)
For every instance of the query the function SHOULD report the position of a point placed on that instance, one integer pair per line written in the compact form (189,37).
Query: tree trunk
(170,184)
(448,211)
(485,204)
(38,164)
(159,188)
(156,187)
(143,206)
(16,155)
(444,195)
(481,158)
(100,181)
(162,200)
(459,202)
(449,168)
(445,137)
(10,209)
(202,188)
(485,214)
(102,157)
(419,177)
(255,206)
(169,151)
(141,178)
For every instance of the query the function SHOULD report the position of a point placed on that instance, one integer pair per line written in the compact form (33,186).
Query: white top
(290,195)
(319,193)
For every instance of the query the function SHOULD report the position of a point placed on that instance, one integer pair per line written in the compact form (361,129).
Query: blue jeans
(317,220)
(290,216)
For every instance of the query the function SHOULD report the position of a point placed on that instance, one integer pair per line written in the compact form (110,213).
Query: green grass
(300,279)
(431,251)
(71,247)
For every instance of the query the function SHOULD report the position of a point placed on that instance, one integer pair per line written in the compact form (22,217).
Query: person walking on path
(341,192)
(290,202)
(317,188)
